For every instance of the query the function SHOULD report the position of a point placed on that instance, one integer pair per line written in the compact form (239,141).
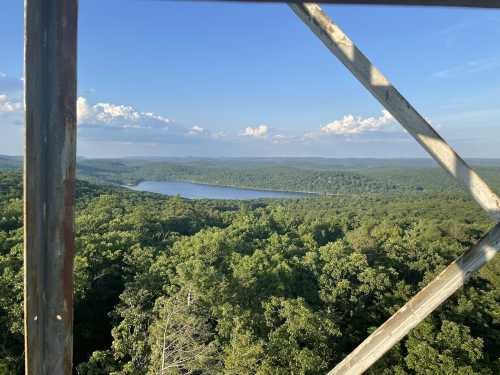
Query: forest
(319,175)
(166,285)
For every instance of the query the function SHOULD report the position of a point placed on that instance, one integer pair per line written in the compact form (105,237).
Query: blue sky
(211,79)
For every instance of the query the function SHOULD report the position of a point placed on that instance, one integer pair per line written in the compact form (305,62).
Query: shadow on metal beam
(457,273)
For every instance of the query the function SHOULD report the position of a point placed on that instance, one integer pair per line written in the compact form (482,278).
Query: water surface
(200,191)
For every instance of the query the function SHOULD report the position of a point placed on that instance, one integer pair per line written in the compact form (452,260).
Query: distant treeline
(330,176)
(310,175)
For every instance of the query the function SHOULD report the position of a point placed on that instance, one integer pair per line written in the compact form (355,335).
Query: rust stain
(67,271)
(68,240)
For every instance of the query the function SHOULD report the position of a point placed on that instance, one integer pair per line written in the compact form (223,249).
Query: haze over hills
(320,175)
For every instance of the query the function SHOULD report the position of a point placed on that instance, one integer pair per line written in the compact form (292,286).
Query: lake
(201,191)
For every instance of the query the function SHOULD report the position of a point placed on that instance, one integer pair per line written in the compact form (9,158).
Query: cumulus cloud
(83,110)
(258,132)
(11,105)
(118,116)
(8,105)
(350,125)
(108,123)
(124,123)
(196,130)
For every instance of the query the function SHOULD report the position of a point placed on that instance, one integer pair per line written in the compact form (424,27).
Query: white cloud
(117,116)
(83,110)
(349,125)
(219,135)
(283,139)
(258,132)
(196,130)
(3,75)
(123,123)
(9,106)
(108,123)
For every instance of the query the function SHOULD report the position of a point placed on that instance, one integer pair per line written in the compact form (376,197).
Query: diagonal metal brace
(420,306)
(457,273)
(380,87)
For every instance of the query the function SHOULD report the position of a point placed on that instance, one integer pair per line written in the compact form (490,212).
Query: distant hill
(10,163)
(322,175)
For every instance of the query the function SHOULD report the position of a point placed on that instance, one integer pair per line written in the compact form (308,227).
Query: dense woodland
(320,175)
(165,285)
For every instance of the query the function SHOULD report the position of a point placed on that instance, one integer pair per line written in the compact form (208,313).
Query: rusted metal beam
(439,3)
(415,310)
(380,87)
(49,184)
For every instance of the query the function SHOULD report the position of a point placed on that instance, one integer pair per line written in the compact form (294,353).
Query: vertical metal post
(49,184)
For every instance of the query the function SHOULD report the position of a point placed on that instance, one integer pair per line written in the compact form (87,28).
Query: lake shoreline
(221,192)
(130,186)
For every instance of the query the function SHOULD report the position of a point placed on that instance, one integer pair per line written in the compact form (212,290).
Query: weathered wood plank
(420,306)
(49,176)
(380,87)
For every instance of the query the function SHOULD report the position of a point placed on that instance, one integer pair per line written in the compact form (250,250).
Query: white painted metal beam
(380,87)
(420,306)
(456,274)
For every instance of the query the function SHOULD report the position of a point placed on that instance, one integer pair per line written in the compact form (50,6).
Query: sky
(161,78)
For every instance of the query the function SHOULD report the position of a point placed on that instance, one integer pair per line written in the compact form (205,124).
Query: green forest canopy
(259,287)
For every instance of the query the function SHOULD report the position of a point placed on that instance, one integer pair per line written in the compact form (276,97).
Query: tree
(449,351)
(181,338)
